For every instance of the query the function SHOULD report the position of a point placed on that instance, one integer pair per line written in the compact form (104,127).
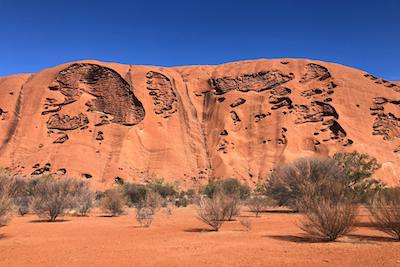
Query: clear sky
(43,33)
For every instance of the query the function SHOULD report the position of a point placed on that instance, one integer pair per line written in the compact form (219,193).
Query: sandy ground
(181,240)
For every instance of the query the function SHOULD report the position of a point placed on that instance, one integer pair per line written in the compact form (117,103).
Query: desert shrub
(231,206)
(357,166)
(6,184)
(185,198)
(359,169)
(168,210)
(211,211)
(246,223)
(22,204)
(144,216)
(287,183)
(113,202)
(328,210)
(83,198)
(258,203)
(22,197)
(146,209)
(385,210)
(229,187)
(52,197)
(135,193)
(153,201)
(163,188)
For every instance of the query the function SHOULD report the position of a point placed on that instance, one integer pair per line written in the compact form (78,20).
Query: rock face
(103,121)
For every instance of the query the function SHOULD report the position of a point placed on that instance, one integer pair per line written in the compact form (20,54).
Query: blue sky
(41,34)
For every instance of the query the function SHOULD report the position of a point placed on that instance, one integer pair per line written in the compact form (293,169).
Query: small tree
(113,202)
(385,210)
(259,203)
(357,166)
(211,211)
(359,169)
(328,210)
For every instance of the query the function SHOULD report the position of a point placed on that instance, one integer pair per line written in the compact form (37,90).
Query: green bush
(359,169)
(163,188)
(229,187)
(185,198)
(135,193)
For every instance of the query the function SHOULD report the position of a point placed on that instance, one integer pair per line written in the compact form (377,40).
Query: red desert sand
(181,240)
(104,121)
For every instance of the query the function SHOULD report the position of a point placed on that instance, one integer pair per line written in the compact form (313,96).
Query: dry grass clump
(246,223)
(385,210)
(144,216)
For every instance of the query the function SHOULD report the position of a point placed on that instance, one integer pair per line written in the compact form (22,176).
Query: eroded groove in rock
(281,91)
(386,124)
(235,117)
(250,82)
(312,92)
(279,102)
(3,114)
(316,112)
(282,140)
(261,116)
(336,129)
(111,93)
(61,139)
(99,136)
(161,90)
(315,71)
(238,102)
(382,82)
(65,122)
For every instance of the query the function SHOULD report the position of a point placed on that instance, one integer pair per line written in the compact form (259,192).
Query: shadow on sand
(47,221)
(198,230)
(372,238)
(297,239)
